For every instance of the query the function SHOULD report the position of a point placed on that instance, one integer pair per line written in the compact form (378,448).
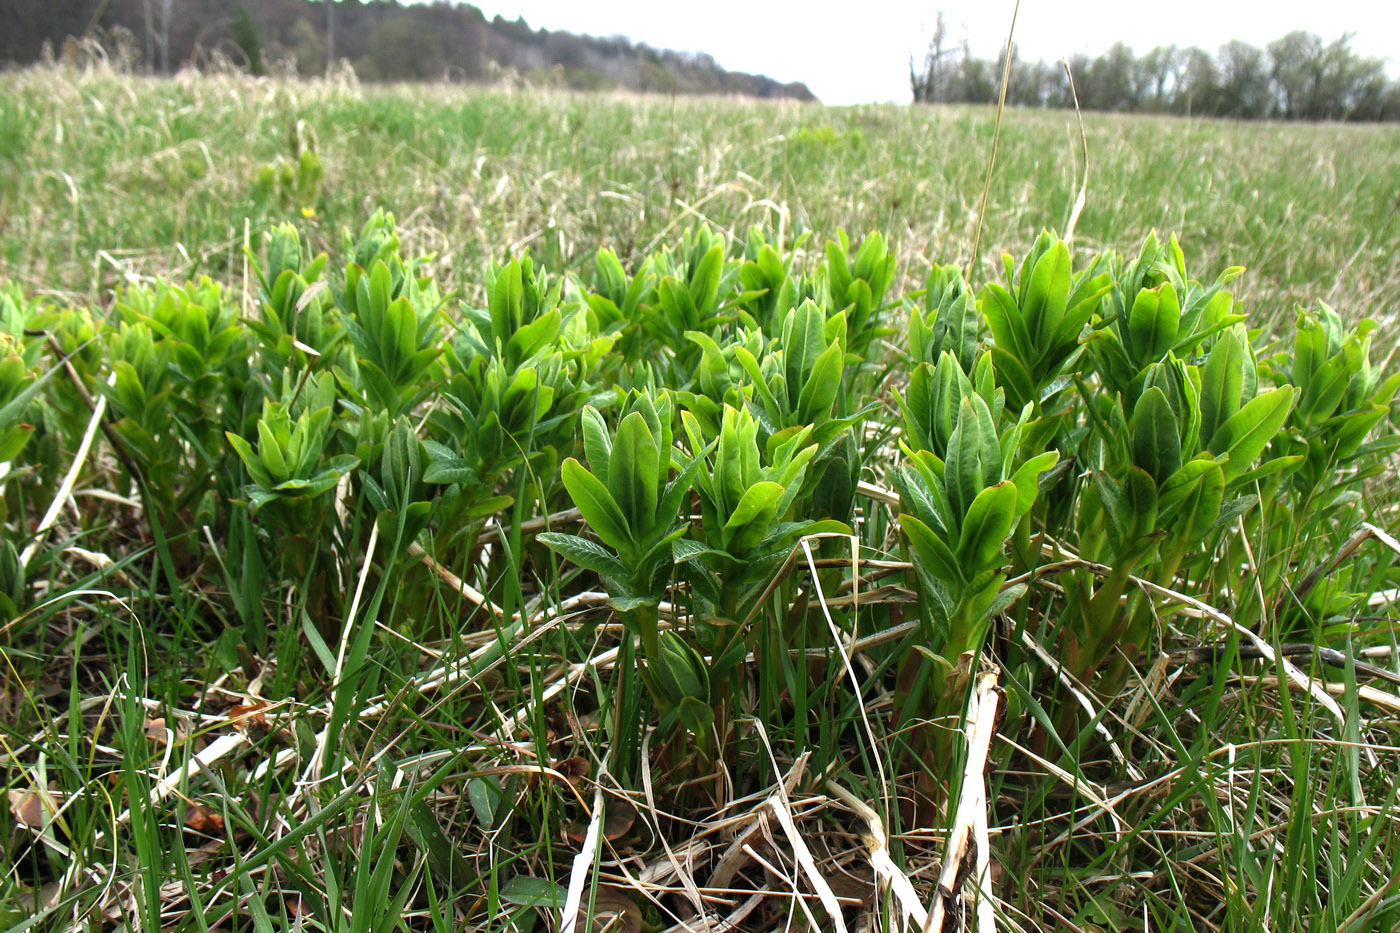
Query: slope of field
(107,177)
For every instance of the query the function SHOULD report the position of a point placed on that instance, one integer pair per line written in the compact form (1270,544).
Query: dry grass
(118,176)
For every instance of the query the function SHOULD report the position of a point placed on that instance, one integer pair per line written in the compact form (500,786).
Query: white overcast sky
(854,52)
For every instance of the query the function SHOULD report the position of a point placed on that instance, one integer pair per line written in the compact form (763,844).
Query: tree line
(1297,77)
(383,40)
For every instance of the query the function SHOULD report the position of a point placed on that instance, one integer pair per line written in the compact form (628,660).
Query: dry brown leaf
(155,730)
(204,819)
(617,822)
(243,715)
(159,731)
(32,808)
(574,769)
(614,910)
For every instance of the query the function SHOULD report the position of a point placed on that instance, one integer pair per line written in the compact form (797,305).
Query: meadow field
(442,508)
(106,179)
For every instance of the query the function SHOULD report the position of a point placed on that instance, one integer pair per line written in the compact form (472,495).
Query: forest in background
(382,40)
(1297,77)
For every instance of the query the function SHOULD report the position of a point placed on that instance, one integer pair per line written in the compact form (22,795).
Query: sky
(850,53)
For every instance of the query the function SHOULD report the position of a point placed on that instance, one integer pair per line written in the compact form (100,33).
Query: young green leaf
(1156,437)
(597,506)
(930,551)
(1222,380)
(633,472)
(1192,497)
(1153,322)
(757,498)
(1246,433)
(584,553)
(986,526)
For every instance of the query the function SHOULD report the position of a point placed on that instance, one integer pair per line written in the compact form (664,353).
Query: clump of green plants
(297,180)
(681,520)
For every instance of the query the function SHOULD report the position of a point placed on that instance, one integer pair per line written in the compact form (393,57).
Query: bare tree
(149,19)
(165,35)
(924,84)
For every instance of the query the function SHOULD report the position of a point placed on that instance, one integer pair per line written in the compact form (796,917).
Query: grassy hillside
(560,544)
(107,177)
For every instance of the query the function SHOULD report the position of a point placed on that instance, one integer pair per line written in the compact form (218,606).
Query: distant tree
(1370,92)
(1346,82)
(1108,83)
(654,76)
(306,49)
(330,36)
(1032,83)
(1078,67)
(1296,77)
(248,40)
(999,68)
(923,82)
(972,80)
(565,53)
(399,51)
(148,16)
(1389,105)
(1296,68)
(165,9)
(1198,90)
(1243,84)
(1058,92)
(1157,77)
